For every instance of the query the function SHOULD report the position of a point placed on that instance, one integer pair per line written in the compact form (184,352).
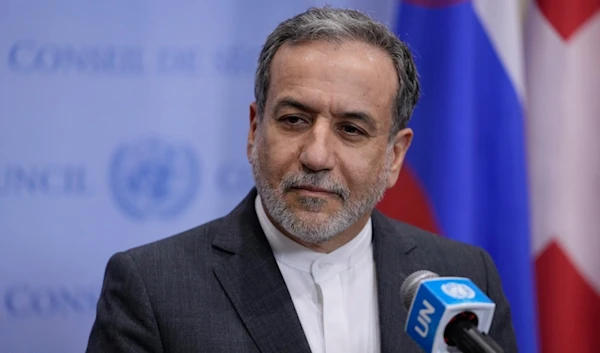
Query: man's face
(321,154)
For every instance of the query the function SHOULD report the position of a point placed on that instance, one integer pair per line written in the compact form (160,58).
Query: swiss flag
(563,132)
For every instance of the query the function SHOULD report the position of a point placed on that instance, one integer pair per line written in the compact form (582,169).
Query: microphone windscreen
(411,284)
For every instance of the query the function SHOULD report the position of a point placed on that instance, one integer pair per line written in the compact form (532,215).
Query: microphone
(448,314)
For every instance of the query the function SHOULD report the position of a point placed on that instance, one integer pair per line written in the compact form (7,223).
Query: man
(304,263)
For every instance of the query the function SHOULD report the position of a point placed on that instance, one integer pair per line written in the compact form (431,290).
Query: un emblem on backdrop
(154,178)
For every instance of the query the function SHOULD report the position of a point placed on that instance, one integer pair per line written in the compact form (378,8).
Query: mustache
(319,180)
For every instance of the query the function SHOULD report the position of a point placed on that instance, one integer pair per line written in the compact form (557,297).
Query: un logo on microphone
(458,290)
(154,178)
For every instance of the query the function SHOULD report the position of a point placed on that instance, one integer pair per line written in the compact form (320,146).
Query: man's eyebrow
(362,117)
(288,102)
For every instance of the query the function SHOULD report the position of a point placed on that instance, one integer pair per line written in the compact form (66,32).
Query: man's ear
(401,143)
(253,129)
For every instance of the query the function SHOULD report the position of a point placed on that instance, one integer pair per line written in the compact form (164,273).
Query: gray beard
(313,231)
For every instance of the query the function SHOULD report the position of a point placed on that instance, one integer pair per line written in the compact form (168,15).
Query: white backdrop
(121,122)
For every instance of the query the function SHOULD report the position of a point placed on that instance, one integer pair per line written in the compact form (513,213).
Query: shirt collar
(295,255)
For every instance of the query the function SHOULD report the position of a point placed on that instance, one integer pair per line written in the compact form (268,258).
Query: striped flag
(563,117)
(465,175)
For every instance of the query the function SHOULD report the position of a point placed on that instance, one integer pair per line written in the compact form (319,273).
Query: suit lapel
(393,263)
(255,286)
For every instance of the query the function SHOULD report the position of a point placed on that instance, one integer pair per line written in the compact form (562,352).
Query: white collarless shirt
(334,294)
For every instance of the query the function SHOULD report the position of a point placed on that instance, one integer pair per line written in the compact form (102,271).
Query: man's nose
(317,154)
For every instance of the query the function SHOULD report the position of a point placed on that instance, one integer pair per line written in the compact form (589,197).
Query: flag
(563,133)
(465,175)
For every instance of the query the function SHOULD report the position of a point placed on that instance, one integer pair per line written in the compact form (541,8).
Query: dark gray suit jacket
(217,288)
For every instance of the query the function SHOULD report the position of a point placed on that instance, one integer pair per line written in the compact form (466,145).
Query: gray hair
(339,25)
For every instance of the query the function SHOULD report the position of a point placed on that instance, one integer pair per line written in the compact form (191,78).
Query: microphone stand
(467,338)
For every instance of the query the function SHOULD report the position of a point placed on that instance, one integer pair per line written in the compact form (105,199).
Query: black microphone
(448,314)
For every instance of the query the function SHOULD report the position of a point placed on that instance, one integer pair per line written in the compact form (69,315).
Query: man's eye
(351,130)
(292,120)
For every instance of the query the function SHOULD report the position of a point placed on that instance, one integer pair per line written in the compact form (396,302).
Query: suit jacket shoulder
(196,247)
(446,255)
(198,291)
